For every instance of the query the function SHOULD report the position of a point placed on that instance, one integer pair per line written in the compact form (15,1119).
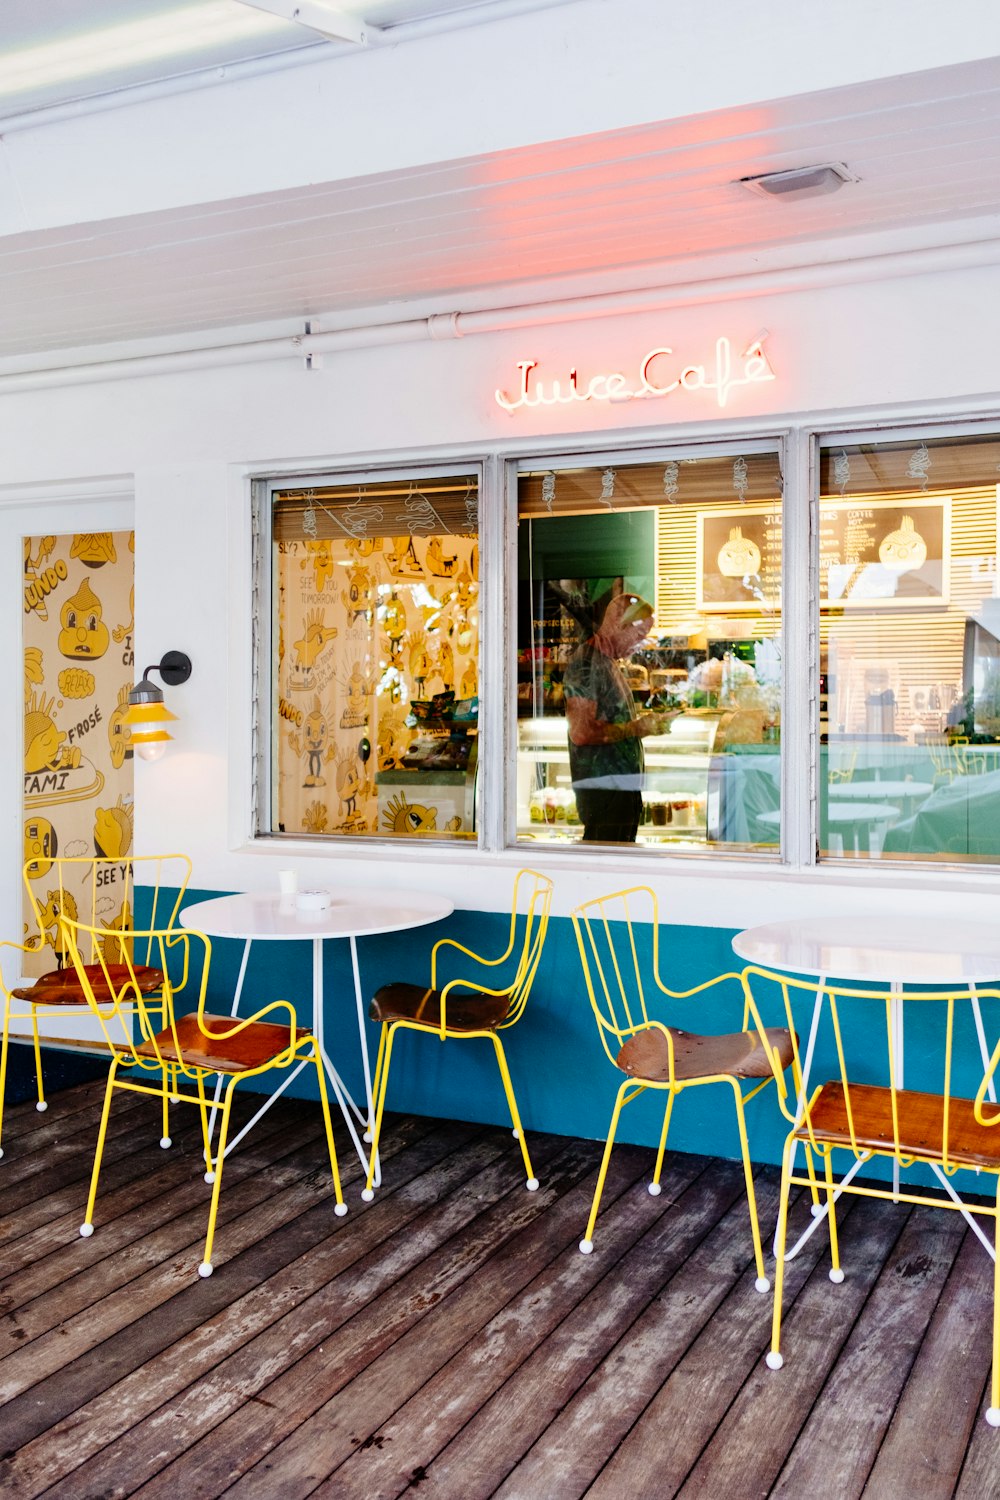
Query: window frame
(496,459)
(265,723)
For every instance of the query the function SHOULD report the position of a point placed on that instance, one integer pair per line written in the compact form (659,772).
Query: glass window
(649,653)
(909,615)
(374,654)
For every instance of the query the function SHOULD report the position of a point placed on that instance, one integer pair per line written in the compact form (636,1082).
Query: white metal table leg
(981,1034)
(804,1089)
(896,1020)
(348,1108)
(235,1007)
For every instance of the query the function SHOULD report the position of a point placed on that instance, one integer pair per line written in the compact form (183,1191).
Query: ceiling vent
(800,182)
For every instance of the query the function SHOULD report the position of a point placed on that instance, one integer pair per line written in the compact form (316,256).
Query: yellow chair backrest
(610,934)
(115,996)
(100,895)
(896,1072)
(530,908)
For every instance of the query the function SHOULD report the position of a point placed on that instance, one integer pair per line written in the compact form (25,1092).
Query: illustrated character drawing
(420,665)
(364,546)
(119,734)
(393,740)
(121,631)
(470,681)
(359,689)
(394,621)
(402,558)
(44,749)
(320,554)
(49,912)
(94,548)
(400,816)
(84,635)
(316,637)
(46,545)
(465,589)
(114,949)
(436,562)
(351,783)
(314,743)
(113,830)
(40,847)
(446,665)
(359,597)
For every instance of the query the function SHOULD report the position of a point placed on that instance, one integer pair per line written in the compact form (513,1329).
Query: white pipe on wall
(444,326)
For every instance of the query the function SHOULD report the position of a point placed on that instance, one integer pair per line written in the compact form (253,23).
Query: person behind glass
(605,729)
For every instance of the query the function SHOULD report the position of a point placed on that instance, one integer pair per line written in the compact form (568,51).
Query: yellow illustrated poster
(78,670)
(371,632)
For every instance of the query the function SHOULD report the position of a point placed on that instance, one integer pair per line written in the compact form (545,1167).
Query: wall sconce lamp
(148,715)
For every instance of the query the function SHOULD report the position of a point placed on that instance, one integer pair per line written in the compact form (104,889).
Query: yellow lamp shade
(146,724)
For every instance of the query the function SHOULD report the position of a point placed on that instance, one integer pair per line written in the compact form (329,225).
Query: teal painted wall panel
(564,1082)
(562,1077)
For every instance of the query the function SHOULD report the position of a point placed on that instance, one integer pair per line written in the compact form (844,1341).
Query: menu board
(872,553)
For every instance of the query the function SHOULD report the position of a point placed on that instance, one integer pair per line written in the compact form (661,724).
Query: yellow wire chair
(653,1054)
(465,1007)
(101,892)
(865,1113)
(194,1046)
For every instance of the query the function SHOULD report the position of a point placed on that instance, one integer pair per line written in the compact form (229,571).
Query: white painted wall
(922,344)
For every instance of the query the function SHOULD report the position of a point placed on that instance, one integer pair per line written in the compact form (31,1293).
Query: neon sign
(722,375)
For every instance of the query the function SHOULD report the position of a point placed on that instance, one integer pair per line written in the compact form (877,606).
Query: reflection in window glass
(910,651)
(375,659)
(649,654)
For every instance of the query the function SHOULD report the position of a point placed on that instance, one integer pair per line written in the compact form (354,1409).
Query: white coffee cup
(288,882)
(312,900)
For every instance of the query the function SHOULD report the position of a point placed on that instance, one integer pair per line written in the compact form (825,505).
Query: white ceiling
(654,204)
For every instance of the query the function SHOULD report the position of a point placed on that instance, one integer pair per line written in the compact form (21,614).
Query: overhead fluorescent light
(168,35)
(800,182)
(331,21)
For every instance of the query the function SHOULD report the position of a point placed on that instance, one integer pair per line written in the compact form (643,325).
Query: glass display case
(677,781)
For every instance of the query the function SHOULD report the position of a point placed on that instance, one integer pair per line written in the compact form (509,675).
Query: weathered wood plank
(698,1391)
(571,1450)
(151,1269)
(536,1351)
(925,1447)
(191,1338)
(450,1339)
(840,1440)
(149,1186)
(449,1247)
(748,1450)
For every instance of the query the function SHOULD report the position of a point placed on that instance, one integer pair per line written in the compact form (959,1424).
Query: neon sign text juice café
(722,375)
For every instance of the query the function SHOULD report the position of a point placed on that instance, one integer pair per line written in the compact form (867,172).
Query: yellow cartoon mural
(396,627)
(78,795)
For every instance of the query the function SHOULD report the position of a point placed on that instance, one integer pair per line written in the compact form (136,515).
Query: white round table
(878,791)
(882,950)
(352,913)
(853,818)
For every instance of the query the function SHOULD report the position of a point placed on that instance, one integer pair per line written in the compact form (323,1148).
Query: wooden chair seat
(63,987)
(738,1054)
(463,1012)
(921,1124)
(255,1045)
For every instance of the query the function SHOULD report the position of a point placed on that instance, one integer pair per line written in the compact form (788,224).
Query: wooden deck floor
(449,1340)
